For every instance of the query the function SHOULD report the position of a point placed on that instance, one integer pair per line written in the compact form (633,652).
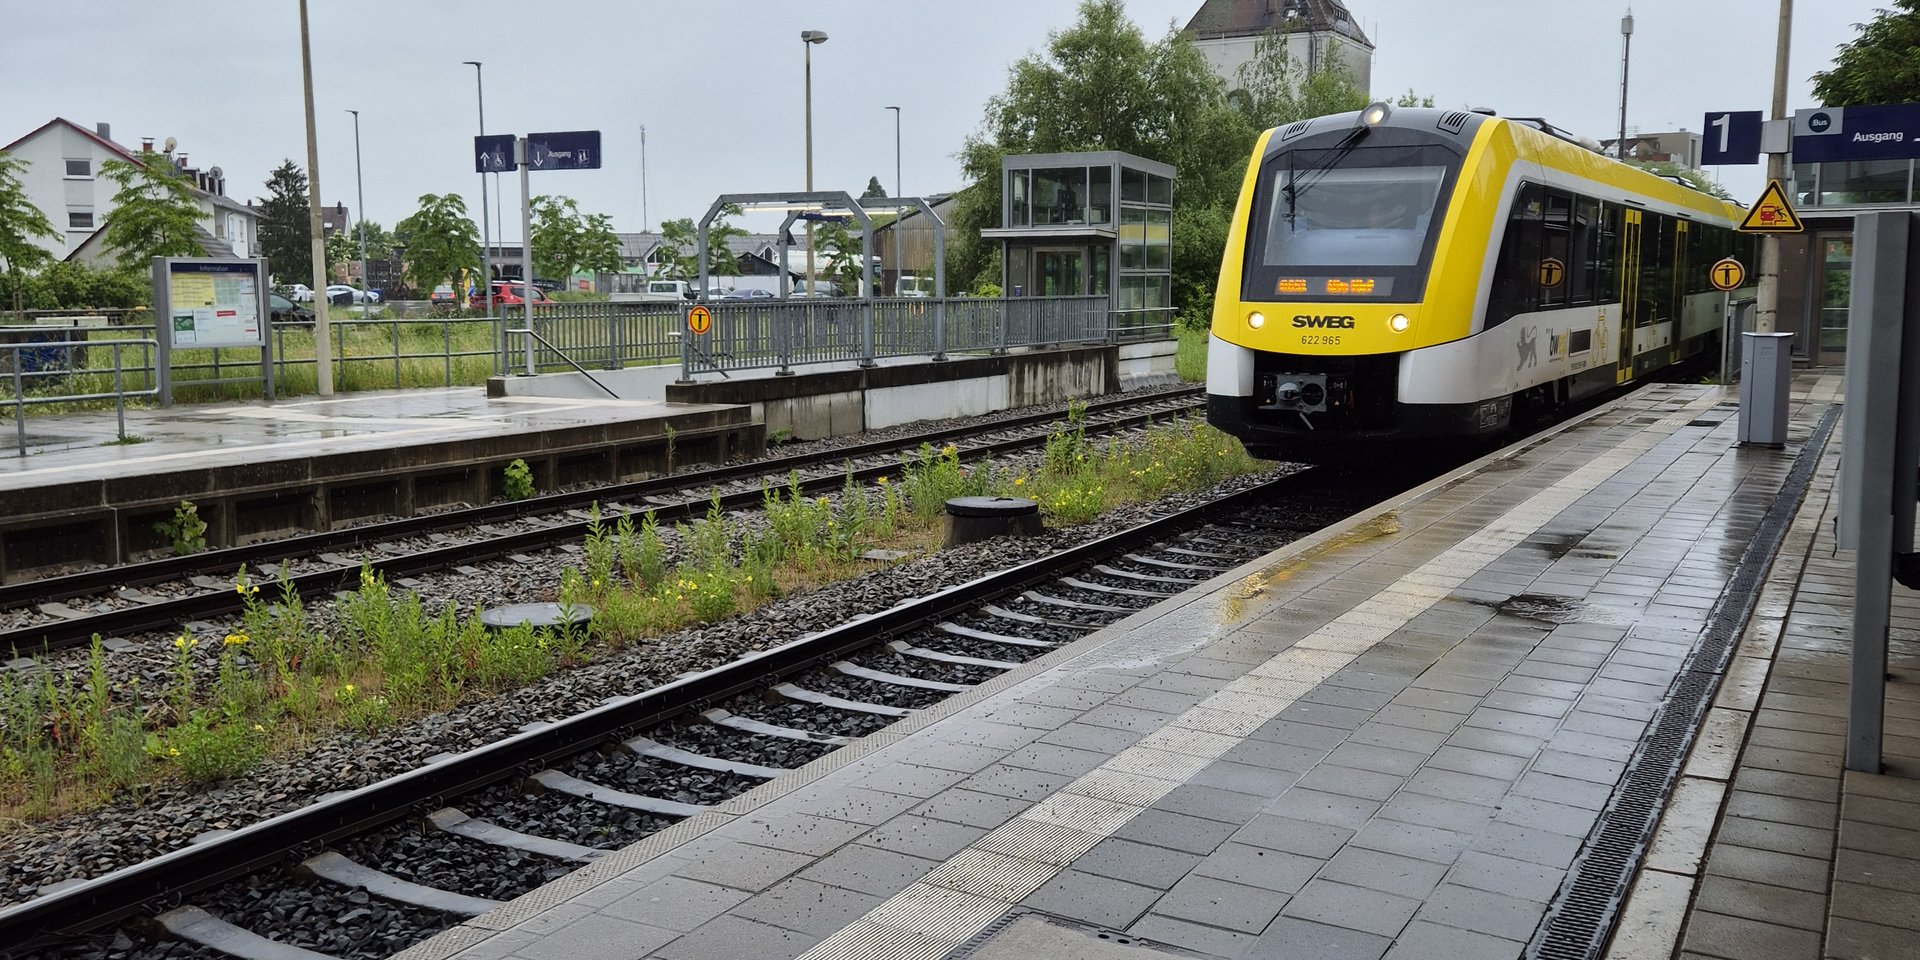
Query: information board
(214,304)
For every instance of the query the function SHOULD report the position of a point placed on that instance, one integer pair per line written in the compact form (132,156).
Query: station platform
(1400,737)
(257,469)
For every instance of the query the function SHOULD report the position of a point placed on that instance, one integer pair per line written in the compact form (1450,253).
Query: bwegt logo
(1310,320)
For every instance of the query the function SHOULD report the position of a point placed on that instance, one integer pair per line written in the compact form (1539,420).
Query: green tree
(442,242)
(565,243)
(285,238)
(874,190)
(679,255)
(155,212)
(20,223)
(843,254)
(1878,66)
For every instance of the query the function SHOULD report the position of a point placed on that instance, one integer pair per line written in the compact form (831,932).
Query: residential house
(1227,32)
(62,178)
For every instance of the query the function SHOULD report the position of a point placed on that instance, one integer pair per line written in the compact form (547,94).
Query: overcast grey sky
(717,83)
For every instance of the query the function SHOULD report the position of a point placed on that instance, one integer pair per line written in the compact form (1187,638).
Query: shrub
(518,480)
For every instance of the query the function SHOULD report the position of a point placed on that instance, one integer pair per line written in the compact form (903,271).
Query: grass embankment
(72,740)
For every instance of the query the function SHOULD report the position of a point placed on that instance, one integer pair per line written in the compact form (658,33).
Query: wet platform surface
(1389,739)
(81,446)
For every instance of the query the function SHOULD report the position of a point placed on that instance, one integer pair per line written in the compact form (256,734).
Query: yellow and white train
(1395,277)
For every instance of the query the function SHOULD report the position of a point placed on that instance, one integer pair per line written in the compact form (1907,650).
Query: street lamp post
(322,346)
(486,236)
(360,197)
(899,268)
(808,38)
(1626,53)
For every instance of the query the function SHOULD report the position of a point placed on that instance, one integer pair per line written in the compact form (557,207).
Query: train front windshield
(1359,224)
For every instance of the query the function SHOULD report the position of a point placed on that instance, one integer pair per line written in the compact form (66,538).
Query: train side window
(1607,268)
(1516,282)
(1556,243)
(1657,236)
(1583,267)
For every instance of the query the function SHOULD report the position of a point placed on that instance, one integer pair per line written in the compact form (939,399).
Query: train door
(1629,294)
(1677,295)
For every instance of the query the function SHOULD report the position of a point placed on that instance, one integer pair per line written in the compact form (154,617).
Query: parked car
(669,290)
(442,296)
(748,293)
(509,293)
(343,294)
(283,310)
(299,292)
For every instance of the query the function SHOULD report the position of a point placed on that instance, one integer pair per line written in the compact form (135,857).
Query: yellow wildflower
(1019,481)
(883,481)
(173,751)
(235,640)
(185,642)
(348,689)
(259,729)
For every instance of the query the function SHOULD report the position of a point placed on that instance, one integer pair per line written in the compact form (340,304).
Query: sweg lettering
(1895,136)
(1306,320)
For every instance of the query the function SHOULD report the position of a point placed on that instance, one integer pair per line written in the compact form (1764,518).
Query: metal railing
(44,372)
(787,333)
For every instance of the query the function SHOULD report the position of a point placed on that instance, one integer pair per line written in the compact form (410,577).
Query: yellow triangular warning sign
(1772,213)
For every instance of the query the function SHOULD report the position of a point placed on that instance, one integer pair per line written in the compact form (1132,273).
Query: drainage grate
(1583,912)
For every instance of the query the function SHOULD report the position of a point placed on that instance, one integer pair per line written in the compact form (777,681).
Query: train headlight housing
(1376,113)
(1256,319)
(1399,323)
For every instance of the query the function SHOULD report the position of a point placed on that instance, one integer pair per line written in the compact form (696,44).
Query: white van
(669,290)
(913,285)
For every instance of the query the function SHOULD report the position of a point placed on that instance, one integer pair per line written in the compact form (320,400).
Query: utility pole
(360,197)
(322,331)
(486,223)
(807,39)
(899,269)
(643,179)
(1626,55)
(1767,309)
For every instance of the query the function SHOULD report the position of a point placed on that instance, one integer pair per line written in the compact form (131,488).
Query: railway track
(158,595)
(385,865)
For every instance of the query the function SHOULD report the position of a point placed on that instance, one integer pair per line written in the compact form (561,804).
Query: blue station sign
(1730,136)
(493,154)
(1876,132)
(566,150)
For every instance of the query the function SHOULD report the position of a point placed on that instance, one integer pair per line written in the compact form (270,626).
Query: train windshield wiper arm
(1295,188)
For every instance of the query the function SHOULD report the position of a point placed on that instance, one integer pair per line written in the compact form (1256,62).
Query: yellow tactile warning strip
(959,898)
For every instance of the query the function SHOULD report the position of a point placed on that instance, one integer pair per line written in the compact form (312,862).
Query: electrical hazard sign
(1772,213)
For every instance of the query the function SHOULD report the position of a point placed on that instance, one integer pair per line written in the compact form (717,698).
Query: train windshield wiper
(1317,172)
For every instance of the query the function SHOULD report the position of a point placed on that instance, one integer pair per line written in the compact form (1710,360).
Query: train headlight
(1376,113)
(1256,319)
(1399,323)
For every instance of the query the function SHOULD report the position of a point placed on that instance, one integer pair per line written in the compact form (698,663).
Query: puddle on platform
(1255,586)
(1542,608)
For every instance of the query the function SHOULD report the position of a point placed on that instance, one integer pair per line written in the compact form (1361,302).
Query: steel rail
(224,559)
(179,873)
(168,613)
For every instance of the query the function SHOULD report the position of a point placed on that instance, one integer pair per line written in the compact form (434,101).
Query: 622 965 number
(1319,339)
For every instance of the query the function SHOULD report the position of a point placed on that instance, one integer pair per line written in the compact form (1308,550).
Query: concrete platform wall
(810,406)
(112,519)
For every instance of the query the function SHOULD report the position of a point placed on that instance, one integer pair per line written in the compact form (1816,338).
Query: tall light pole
(1626,53)
(899,269)
(486,235)
(643,178)
(322,342)
(807,39)
(1767,309)
(360,197)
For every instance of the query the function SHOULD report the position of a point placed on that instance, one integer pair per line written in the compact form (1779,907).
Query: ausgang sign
(1882,132)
